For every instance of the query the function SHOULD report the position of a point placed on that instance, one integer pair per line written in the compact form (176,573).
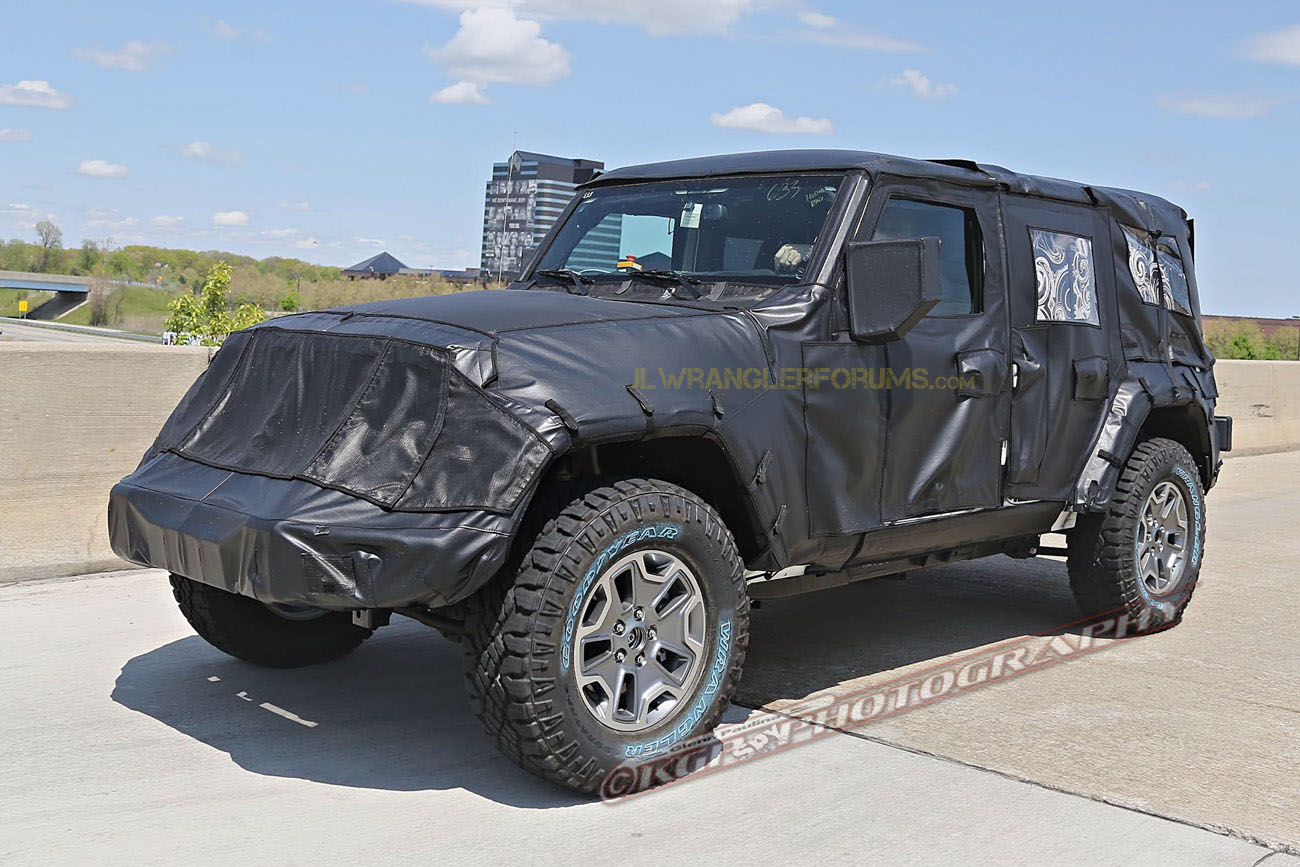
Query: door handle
(981,372)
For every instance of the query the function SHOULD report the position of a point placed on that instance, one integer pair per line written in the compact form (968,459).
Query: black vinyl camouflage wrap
(384,454)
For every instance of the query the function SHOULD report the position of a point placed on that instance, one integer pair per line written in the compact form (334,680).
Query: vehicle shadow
(804,644)
(393,715)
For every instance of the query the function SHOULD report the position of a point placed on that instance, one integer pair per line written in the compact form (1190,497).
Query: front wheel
(1142,557)
(277,636)
(617,633)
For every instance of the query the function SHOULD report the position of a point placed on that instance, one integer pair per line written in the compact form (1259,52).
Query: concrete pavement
(1200,723)
(126,739)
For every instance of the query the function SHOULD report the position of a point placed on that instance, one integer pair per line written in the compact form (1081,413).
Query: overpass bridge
(69,292)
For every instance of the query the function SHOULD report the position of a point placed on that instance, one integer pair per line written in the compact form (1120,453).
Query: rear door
(1063,321)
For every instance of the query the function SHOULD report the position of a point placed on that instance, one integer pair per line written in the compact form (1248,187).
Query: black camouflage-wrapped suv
(718,380)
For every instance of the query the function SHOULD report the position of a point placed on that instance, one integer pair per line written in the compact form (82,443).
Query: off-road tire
(526,699)
(1102,556)
(248,630)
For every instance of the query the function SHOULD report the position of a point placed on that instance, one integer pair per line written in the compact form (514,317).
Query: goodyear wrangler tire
(1143,555)
(619,632)
(274,636)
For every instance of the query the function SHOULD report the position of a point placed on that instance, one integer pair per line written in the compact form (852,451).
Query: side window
(1064,276)
(1142,260)
(1171,268)
(961,248)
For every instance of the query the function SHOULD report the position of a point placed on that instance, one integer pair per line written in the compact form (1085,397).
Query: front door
(947,397)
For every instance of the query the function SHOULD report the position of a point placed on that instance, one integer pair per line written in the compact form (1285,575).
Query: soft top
(967,172)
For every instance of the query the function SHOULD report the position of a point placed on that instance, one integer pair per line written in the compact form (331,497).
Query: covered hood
(453,402)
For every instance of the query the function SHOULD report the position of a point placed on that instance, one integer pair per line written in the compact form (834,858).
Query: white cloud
(818,20)
(761,117)
(280,233)
(307,243)
(133,56)
(166,222)
(659,17)
(295,205)
(229,219)
(33,94)
(102,169)
(1280,46)
(370,242)
(201,150)
(492,45)
(107,218)
(1226,106)
(14,207)
(461,93)
(224,30)
(921,86)
(829,30)
(7,134)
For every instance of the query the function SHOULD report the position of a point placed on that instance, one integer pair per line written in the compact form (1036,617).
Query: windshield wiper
(690,284)
(579,282)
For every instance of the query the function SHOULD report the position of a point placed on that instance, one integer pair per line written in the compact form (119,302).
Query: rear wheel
(274,635)
(617,633)
(1143,555)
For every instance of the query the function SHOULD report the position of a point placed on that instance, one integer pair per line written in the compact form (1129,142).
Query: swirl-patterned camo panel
(1141,266)
(1067,288)
(1142,260)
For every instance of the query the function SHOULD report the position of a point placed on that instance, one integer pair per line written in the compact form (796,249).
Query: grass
(130,308)
(143,309)
(9,299)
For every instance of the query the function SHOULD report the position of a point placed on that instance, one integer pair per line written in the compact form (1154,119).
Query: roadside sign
(22,308)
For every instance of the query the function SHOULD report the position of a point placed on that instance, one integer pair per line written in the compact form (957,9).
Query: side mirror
(891,286)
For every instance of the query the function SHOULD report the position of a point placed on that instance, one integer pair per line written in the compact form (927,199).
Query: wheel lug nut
(640,659)
(620,655)
(650,633)
(639,613)
(619,628)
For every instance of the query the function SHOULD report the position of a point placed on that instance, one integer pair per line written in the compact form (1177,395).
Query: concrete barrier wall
(1263,398)
(75,418)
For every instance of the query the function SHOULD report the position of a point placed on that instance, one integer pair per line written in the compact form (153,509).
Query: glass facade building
(525,196)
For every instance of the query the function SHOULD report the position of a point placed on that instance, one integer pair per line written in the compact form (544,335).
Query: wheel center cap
(635,637)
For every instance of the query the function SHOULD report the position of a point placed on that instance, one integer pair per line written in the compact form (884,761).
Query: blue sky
(330,131)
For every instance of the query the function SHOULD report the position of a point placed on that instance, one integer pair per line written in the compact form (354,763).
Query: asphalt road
(13,330)
(126,739)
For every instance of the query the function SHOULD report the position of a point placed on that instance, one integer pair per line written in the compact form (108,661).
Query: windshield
(756,231)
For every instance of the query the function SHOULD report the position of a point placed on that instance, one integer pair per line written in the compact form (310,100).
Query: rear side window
(1142,259)
(1064,276)
(960,244)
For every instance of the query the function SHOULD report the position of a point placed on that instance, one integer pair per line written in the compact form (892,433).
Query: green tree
(208,318)
(89,256)
(51,237)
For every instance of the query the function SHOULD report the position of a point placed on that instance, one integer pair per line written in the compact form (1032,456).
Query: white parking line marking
(266,705)
(213,679)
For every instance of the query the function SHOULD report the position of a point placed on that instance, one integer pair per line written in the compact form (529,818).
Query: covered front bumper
(332,551)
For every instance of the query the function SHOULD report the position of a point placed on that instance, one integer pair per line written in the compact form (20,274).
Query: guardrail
(82,329)
(76,417)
